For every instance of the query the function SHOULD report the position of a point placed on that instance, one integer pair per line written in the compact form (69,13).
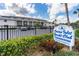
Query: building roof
(15,18)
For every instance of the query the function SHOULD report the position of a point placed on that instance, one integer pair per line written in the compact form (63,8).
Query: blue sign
(64,34)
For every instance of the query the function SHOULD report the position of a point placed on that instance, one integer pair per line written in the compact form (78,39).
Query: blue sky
(48,11)
(41,10)
(2,6)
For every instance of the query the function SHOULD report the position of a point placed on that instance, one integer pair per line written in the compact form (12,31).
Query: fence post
(50,29)
(35,30)
(7,30)
(1,32)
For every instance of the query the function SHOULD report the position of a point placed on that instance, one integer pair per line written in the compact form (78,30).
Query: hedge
(20,46)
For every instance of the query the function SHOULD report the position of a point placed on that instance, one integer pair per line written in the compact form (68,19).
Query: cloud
(31,8)
(63,19)
(6,11)
(59,8)
(37,17)
(18,9)
(54,10)
(23,8)
(71,5)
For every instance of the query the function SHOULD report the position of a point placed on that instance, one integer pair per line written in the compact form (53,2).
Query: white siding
(8,22)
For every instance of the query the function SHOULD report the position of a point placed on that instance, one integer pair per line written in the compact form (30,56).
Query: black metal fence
(10,32)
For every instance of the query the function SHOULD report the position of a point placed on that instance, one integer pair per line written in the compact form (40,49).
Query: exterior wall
(13,21)
(8,22)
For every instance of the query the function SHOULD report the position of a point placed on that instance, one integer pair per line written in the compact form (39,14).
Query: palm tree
(76,12)
(66,7)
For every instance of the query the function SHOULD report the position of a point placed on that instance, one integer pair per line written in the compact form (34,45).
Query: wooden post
(70,48)
(67,14)
(66,6)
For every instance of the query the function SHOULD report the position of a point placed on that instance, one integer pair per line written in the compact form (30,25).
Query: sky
(46,11)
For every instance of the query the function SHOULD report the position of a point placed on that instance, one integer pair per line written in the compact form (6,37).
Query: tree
(37,24)
(75,24)
(76,12)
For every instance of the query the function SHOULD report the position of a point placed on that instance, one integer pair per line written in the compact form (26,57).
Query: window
(25,23)
(19,23)
(30,23)
(5,20)
(42,23)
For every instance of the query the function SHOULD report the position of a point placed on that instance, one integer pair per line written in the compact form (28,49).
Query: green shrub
(20,46)
(77,32)
(66,53)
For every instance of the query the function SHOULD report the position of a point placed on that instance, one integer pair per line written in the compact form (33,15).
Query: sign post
(70,48)
(64,34)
